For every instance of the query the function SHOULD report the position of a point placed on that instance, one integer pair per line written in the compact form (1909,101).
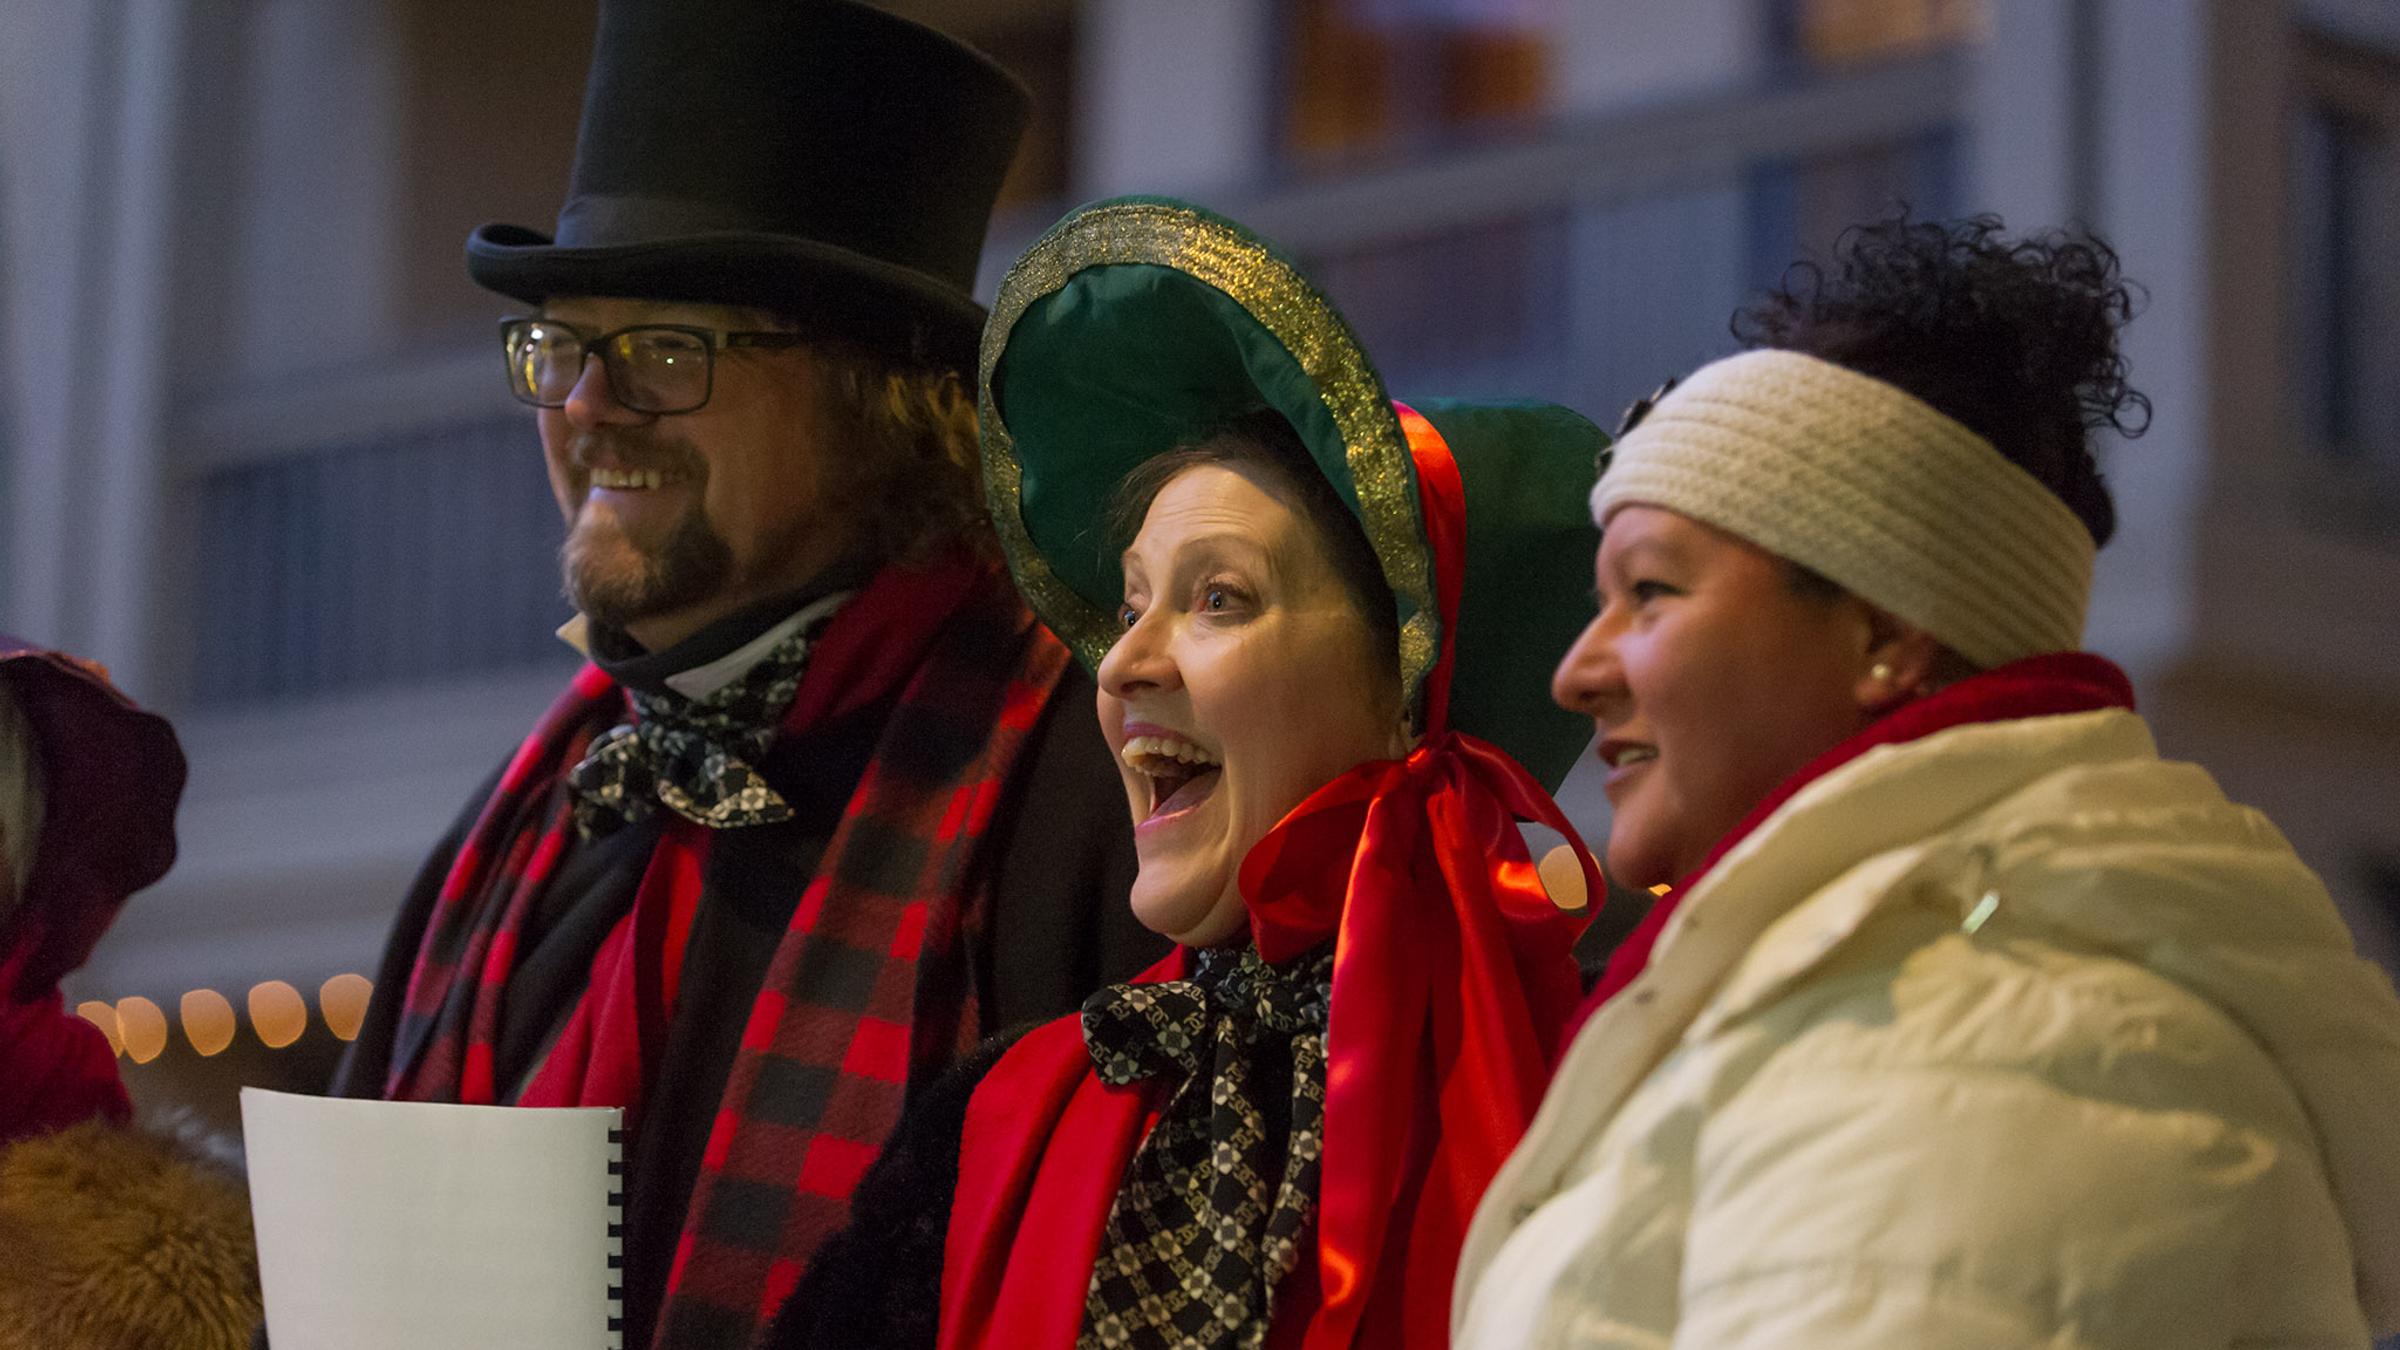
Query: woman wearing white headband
(1968,1020)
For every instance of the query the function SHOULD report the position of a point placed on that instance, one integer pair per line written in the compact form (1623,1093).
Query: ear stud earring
(1880,671)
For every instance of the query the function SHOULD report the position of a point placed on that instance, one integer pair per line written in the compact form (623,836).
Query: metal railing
(421,555)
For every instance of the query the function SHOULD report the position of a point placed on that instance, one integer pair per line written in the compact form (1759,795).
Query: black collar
(624,660)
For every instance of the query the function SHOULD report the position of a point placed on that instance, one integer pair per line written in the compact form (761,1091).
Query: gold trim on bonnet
(1289,308)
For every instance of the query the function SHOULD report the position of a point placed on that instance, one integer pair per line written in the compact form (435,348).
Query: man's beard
(616,580)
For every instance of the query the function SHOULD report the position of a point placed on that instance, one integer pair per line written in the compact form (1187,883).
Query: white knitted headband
(1874,489)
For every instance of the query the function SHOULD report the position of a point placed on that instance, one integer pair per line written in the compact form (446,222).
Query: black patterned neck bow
(692,755)
(1218,1201)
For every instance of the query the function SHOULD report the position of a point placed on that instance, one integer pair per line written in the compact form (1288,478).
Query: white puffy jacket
(2151,1099)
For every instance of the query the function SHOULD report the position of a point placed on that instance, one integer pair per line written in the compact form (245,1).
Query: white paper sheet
(403,1224)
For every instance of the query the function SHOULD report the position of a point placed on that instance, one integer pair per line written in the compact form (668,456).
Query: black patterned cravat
(1219,1199)
(692,755)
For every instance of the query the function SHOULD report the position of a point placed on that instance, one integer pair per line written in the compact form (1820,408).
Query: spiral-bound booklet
(391,1224)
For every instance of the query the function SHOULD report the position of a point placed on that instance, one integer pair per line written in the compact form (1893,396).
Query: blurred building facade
(258,457)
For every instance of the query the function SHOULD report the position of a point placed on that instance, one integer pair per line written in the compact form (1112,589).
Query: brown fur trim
(116,1239)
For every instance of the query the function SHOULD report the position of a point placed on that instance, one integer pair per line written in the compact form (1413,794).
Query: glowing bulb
(103,1016)
(277,1013)
(144,1028)
(342,1001)
(207,1021)
(1562,876)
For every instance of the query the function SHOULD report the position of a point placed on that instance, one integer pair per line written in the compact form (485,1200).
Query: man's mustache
(642,449)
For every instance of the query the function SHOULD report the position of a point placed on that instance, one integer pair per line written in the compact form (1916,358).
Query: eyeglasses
(652,367)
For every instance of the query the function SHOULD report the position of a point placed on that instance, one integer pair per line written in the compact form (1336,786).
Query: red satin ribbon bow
(1453,976)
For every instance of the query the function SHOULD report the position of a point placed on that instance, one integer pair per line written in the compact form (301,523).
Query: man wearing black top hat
(827,805)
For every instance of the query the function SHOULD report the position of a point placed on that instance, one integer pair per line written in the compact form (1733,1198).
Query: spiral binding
(616,1237)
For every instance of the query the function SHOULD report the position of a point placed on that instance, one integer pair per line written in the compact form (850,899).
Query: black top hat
(820,158)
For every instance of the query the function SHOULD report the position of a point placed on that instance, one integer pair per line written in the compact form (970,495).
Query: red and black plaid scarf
(872,983)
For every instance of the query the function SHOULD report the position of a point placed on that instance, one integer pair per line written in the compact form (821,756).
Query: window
(2380,870)
(1799,207)
(1455,304)
(1036,43)
(1840,32)
(407,559)
(2345,185)
(462,162)
(1364,78)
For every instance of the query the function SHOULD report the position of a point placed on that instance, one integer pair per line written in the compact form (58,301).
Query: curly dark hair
(2017,339)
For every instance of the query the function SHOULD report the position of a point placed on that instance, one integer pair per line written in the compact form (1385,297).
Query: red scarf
(604,1056)
(1452,973)
(608,1050)
(58,1068)
(967,661)
(2039,686)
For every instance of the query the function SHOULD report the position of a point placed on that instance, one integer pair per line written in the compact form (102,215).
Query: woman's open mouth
(1181,773)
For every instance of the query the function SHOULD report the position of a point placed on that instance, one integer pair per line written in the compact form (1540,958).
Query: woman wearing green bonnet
(1318,619)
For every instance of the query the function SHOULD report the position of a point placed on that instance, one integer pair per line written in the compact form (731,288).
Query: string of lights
(137,1028)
